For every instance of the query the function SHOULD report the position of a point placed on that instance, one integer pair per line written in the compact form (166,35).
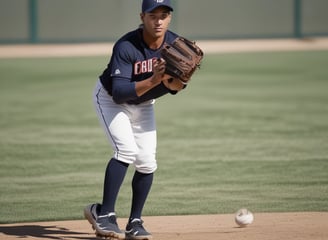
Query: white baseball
(244,217)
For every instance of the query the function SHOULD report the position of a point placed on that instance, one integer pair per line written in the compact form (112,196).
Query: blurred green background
(57,21)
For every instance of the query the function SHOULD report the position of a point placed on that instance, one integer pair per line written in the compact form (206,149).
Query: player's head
(156,18)
(151,5)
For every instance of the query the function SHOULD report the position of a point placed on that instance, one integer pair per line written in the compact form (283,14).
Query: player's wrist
(155,79)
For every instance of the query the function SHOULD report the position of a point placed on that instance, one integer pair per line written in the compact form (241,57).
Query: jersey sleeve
(123,90)
(122,61)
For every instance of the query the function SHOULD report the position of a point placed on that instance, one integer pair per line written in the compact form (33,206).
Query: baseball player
(124,100)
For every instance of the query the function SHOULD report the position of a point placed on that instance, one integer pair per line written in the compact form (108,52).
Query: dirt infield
(221,46)
(266,226)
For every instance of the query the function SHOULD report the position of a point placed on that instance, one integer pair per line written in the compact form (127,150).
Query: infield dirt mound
(266,226)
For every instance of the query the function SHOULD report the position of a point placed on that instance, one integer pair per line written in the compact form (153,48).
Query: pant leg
(115,119)
(144,129)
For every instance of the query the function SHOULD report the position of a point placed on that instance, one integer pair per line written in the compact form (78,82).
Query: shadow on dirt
(46,232)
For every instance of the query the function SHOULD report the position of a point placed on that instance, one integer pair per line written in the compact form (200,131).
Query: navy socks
(115,173)
(141,185)
(114,177)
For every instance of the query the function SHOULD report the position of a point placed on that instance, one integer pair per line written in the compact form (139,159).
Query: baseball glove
(182,58)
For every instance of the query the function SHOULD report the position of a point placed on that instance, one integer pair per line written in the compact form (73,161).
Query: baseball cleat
(106,225)
(91,213)
(135,231)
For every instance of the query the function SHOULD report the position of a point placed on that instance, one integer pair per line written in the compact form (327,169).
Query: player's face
(156,22)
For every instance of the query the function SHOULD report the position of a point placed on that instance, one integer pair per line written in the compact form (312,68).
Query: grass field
(251,130)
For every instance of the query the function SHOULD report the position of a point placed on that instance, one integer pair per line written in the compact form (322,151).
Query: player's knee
(145,163)
(146,168)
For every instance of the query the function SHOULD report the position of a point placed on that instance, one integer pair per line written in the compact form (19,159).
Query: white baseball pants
(131,130)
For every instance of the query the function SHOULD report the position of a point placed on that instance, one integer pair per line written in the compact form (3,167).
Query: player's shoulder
(128,41)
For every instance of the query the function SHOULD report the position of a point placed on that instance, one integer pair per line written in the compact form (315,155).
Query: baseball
(244,217)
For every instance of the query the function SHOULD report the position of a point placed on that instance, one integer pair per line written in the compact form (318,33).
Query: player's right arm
(124,90)
(144,86)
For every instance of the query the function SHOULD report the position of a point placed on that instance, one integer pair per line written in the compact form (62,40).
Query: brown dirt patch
(215,46)
(266,226)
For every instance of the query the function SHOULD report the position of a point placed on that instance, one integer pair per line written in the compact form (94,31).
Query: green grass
(251,130)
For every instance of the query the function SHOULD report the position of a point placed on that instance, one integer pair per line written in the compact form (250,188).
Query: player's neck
(153,42)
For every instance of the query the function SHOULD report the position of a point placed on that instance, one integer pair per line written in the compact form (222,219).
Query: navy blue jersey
(131,61)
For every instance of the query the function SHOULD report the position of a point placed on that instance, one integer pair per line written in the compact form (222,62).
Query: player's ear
(170,18)
(142,15)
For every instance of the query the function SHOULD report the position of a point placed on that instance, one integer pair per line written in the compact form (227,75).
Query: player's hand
(158,70)
(173,84)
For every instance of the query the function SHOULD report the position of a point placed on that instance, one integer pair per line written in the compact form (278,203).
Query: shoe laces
(136,222)
(111,217)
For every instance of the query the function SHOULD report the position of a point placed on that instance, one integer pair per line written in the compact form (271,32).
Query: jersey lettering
(145,66)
